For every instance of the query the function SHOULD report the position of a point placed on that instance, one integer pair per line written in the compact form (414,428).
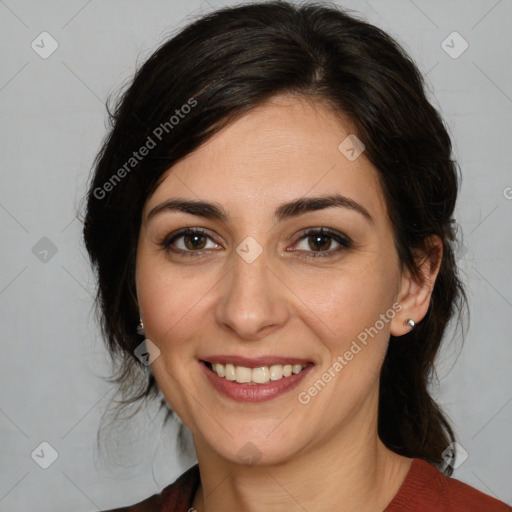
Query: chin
(262,444)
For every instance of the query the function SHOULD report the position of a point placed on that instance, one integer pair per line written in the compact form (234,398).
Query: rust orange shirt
(425,489)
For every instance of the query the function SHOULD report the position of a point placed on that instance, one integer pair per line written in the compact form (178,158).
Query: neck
(351,471)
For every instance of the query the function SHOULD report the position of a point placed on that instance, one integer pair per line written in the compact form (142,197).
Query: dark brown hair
(222,66)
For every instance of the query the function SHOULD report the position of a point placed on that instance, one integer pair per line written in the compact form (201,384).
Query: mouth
(256,376)
(254,381)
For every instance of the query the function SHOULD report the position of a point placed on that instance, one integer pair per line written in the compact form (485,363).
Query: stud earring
(140,328)
(410,323)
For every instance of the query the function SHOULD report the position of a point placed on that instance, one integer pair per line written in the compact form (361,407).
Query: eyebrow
(284,211)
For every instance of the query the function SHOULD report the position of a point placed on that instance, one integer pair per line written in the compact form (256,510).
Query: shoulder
(425,489)
(176,497)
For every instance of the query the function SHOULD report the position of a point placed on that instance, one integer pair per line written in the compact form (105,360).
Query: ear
(415,291)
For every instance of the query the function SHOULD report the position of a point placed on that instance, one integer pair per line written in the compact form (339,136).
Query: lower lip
(254,392)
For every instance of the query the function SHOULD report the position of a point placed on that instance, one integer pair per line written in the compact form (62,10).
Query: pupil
(317,239)
(194,244)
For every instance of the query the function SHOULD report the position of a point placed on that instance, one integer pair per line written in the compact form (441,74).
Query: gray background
(52,122)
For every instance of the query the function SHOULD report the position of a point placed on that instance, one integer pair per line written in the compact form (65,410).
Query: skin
(317,456)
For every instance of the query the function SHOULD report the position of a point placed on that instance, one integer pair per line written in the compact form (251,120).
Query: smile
(260,375)
(254,383)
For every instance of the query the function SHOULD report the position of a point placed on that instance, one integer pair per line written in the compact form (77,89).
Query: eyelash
(344,241)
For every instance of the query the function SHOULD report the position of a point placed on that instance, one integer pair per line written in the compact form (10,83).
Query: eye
(188,241)
(321,240)
(194,241)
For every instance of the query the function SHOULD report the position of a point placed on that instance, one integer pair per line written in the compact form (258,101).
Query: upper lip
(254,362)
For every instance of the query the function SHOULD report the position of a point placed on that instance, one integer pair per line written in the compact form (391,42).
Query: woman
(270,219)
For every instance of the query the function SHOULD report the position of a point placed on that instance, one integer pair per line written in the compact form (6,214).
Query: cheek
(356,314)
(171,302)
(347,300)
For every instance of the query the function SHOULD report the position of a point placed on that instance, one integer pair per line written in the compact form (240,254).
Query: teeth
(229,370)
(219,370)
(243,374)
(287,370)
(296,368)
(276,372)
(261,375)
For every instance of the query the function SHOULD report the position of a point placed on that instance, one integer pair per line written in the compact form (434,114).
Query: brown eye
(194,241)
(188,242)
(318,243)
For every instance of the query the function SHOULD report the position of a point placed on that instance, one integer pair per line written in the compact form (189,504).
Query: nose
(253,300)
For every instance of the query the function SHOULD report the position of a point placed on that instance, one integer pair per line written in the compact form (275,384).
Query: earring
(410,323)
(140,328)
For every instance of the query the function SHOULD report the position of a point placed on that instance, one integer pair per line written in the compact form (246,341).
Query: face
(256,276)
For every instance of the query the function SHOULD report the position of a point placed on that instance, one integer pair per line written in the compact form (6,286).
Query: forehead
(284,149)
